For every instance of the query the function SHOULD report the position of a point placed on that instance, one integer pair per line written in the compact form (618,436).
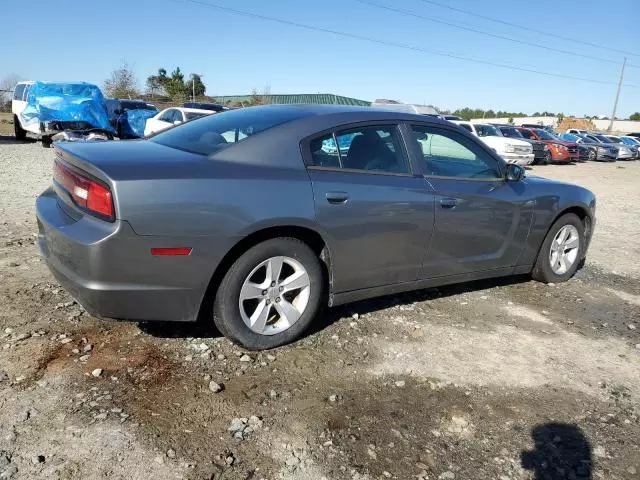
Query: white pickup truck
(510,149)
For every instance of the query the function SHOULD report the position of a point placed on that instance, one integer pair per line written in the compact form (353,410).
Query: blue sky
(236,54)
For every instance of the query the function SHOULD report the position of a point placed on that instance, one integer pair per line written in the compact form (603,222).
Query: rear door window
(375,148)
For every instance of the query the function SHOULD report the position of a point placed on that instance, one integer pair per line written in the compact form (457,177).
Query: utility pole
(615,104)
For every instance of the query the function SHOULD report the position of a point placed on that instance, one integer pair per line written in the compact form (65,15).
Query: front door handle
(448,202)
(337,197)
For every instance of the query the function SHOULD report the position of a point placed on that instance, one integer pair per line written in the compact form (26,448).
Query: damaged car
(50,111)
(129,117)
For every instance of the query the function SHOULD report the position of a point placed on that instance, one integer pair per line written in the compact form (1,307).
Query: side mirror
(515,172)
(177,122)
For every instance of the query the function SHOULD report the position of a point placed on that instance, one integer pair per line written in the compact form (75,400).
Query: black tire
(547,158)
(46,142)
(542,270)
(226,309)
(18,130)
(593,155)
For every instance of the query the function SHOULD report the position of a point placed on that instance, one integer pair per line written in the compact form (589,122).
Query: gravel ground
(502,379)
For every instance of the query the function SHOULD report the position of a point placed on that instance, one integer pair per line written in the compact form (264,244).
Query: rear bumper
(109,269)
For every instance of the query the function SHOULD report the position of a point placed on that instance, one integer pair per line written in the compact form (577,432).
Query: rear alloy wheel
(270,295)
(561,251)
(592,155)
(548,158)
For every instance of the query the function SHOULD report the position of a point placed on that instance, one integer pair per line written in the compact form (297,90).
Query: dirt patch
(490,379)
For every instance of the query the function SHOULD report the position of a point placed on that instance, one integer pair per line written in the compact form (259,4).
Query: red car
(560,150)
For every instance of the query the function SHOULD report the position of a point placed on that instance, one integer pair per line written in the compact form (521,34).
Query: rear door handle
(337,197)
(448,202)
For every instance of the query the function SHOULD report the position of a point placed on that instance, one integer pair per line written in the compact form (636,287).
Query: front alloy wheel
(564,249)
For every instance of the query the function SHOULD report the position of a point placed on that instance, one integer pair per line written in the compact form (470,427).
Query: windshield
(487,131)
(614,139)
(208,134)
(511,132)
(544,135)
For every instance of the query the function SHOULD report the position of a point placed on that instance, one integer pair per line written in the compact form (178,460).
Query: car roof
(353,113)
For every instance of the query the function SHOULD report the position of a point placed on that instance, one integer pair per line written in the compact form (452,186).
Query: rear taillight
(86,193)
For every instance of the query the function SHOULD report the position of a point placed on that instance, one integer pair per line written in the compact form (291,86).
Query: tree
(635,117)
(560,117)
(122,83)
(155,83)
(174,85)
(196,87)
(510,121)
(7,84)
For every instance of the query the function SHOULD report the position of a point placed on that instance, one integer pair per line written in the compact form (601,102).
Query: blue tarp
(66,102)
(132,122)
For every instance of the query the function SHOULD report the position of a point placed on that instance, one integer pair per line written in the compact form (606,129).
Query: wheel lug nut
(268,301)
(273,284)
(281,289)
(277,299)
(264,292)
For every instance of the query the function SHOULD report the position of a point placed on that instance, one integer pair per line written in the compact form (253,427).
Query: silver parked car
(246,218)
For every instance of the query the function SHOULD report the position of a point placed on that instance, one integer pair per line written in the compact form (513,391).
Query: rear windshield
(208,134)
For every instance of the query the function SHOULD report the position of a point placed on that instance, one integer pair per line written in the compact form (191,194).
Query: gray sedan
(256,218)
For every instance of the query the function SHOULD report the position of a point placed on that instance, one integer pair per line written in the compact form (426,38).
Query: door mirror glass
(177,122)
(514,172)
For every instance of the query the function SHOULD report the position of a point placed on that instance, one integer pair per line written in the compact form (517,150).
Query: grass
(6,123)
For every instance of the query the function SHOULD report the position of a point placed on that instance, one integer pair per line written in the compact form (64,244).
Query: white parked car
(18,104)
(173,116)
(510,149)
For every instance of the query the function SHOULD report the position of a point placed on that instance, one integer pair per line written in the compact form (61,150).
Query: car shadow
(560,451)
(204,327)
(11,140)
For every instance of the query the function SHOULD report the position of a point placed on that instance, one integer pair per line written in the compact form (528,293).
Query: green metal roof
(305,98)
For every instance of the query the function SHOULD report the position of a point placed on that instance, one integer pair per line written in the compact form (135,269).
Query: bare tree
(266,94)
(7,84)
(122,83)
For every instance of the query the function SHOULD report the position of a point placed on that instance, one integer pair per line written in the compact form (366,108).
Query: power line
(488,34)
(405,46)
(522,27)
